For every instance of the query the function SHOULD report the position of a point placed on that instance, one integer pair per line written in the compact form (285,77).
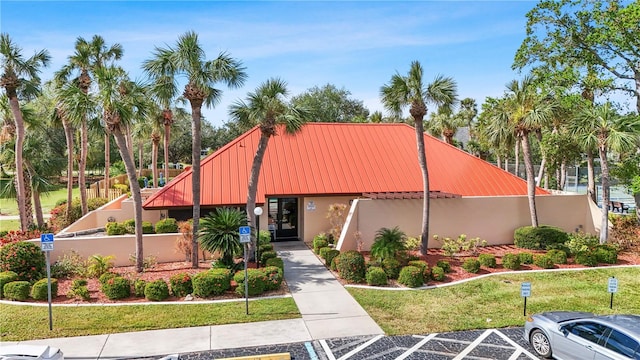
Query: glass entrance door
(283,218)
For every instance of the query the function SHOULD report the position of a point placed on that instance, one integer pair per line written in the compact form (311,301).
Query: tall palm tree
(528,111)
(164,90)
(603,127)
(121,101)
(188,59)
(20,79)
(266,107)
(410,90)
(498,130)
(445,124)
(88,56)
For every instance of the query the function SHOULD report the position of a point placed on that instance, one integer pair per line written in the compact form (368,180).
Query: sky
(356,46)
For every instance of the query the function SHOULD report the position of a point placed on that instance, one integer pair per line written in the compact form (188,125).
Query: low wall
(491,218)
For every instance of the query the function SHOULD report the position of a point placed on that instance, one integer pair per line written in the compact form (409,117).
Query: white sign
(525,289)
(46,242)
(311,206)
(613,285)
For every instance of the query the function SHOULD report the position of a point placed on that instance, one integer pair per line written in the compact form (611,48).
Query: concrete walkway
(328,311)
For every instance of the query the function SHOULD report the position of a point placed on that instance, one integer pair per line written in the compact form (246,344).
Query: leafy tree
(410,91)
(219,233)
(20,80)
(627,171)
(601,36)
(188,59)
(330,104)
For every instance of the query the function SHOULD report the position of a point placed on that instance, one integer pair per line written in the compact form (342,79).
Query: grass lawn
(49,200)
(23,322)
(495,301)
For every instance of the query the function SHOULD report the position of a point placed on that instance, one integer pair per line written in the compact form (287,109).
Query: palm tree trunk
(68,134)
(506,163)
(604,226)
(253,187)
(167,137)
(140,158)
(82,165)
(135,193)
(37,206)
(543,163)
(154,163)
(591,179)
(517,158)
(107,162)
(531,185)
(498,161)
(195,180)
(20,181)
(563,174)
(28,205)
(422,160)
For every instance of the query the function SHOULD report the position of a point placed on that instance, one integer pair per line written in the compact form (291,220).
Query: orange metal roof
(337,159)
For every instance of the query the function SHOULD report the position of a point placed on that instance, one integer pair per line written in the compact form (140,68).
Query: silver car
(30,352)
(567,335)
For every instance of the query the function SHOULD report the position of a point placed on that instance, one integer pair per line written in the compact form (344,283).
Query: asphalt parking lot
(491,344)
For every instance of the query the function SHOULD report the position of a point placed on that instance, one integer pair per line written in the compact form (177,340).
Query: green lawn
(495,301)
(49,200)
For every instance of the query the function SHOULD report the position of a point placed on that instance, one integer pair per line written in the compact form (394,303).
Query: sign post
(525,292)
(613,288)
(245,239)
(46,243)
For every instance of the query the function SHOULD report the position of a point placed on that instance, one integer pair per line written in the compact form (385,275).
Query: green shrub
(141,182)
(130,226)
(539,238)
(5,278)
(264,237)
(330,255)
(422,265)
(376,276)
(276,261)
(208,283)
(487,260)
(122,187)
(256,282)
(181,284)
(147,227)
(461,244)
(70,265)
(404,257)
(557,257)
(323,252)
(511,261)
(444,265)
(274,277)
(606,254)
(40,289)
(266,256)
(156,290)
(320,241)
(115,228)
(580,241)
(351,266)
(387,243)
(79,290)
(391,267)
(97,265)
(334,263)
(58,218)
(544,261)
(106,276)
(23,258)
(265,247)
(437,273)
(116,288)
(138,287)
(227,273)
(168,225)
(17,290)
(471,265)
(525,258)
(411,276)
(586,258)
(412,243)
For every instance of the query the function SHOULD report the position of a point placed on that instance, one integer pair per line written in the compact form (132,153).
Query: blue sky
(357,46)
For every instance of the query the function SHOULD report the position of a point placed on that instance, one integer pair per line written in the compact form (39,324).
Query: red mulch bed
(166,270)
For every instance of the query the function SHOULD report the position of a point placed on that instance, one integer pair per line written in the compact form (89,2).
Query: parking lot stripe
(515,355)
(359,348)
(507,339)
(473,345)
(327,350)
(416,346)
(312,353)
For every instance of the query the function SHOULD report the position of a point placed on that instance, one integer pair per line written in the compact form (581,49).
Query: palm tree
(602,127)
(403,91)
(121,101)
(19,78)
(164,90)
(88,56)
(219,234)
(498,130)
(444,123)
(266,107)
(188,59)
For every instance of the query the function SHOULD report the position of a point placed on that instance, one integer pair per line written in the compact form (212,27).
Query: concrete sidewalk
(328,311)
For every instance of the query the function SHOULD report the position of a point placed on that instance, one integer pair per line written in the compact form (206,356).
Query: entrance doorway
(283,218)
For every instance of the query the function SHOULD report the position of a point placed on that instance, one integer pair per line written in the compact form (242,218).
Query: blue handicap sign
(46,238)
(245,230)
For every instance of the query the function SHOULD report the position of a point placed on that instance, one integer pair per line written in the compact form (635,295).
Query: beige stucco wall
(491,218)
(314,214)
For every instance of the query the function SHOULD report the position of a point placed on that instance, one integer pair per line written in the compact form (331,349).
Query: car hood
(29,352)
(560,316)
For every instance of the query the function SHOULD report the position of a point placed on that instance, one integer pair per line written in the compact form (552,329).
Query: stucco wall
(491,218)
(314,218)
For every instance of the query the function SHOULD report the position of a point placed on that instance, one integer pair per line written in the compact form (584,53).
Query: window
(622,344)
(589,331)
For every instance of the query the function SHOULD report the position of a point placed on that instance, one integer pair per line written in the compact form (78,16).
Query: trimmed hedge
(115,228)
(437,273)
(277,262)
(116,288)
(606,254)
(274,277)
(256,282)
(5,278)
(320,241)
(511,261)
(525,258)
(138,287)
(422,265)
(586,258)
(376,276)
(40,290)
(444,265)
(181,284)
(540,237)
(392,267)
(265,256)
(17,290)
(411,276)
(351,266)
(156,290)
(487,260)
(23,258)
(208,283)
(168,225)
(330,255)
(471,265)
(557,256)
(544,261)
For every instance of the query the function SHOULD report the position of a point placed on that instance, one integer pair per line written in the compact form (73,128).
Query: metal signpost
(245,239)
(46,243)
(525,292)
(613,288)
